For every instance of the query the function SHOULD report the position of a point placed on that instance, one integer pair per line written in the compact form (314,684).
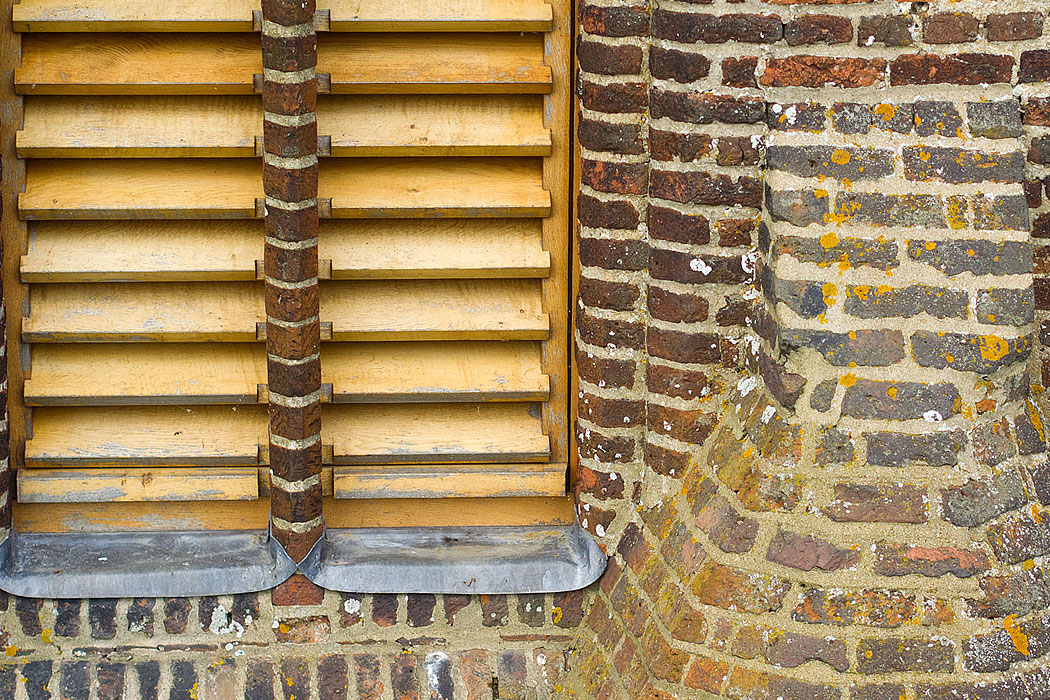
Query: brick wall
(811,305)
(809,435)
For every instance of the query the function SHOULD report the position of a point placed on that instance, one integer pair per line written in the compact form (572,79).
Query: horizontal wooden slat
(198,250)
(146,436)
(236,15)
(132,374)
(438,15)
(141,189)
(450,481)
(434,125)
(434,63)
(116,251)
(140,127)
(363,188)
(134,16)
(138,64)
(132,485)
(247,515)
(433,372)
(434,248)
(435,310)
(449,512)
(162,311)
(434,433)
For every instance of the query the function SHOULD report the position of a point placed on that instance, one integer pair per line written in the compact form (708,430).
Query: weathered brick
(606,59)
(905,210)
(851,118)
(871,608)
(705,188)
(979,500)
(1014,26)
(818,29)
(494,610)
(807,552)
(797,207)
(605,372)
(616,296)
(734,589)
(699,108)
(691,28)
(866,301)
(613,254)
(601,448)
(615,21)
(863,348)
(826,161)
(1014,594)
(997,651)
(901,654)
(950,28)
(672,146)
(956,69)
(885,503)
(738,150)
(610,333)
(595,135)
(858,252)
(745,683)
(962,165)
(614,98)
(980,257)
(887,400)
(995,120)
(983,354)
(728,530)
(1035,66)
(671,225)
(615,178)
(888,30)
(686,268)
(937,449)
(740,71)
(680,66)
(823,71)
(834,446)
(1020,537)
(895,559)
(800,116)
(102,615)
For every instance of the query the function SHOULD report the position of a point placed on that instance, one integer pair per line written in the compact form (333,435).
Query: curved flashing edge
(471,560)
(144,564)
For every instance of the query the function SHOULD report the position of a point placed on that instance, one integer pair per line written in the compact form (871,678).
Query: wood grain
(132,485)
(433,433)
(450,481)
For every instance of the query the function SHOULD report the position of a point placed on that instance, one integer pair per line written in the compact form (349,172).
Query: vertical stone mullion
(293,337)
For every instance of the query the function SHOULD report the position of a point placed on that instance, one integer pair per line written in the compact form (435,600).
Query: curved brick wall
(808,328)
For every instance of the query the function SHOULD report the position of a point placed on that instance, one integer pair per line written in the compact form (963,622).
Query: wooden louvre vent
(134,245)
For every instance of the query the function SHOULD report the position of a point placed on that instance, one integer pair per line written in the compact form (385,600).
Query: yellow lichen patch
(853,335)
(829,240)
(848,379)
(1019,638)
(840,157)
(844,265)
(556,615)
(1028,564)
(892,392)
(887,112)
(862,291)
(993,347)
(930,245)
(1037,422)
(822,318)
(10,650)
(829,290)
(924,156)
(46,636)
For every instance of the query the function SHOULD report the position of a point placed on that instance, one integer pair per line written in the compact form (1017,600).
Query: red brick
(823,71)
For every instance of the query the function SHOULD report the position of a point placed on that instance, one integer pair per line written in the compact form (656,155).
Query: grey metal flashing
(483,560)
(146,564)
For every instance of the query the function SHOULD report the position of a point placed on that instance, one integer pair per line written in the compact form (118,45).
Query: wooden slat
(451,481)
(434,125)
(132,485)
(434,187)
(236,15)
(247,515)
(147,436)
(134,16)
(449,512)
(138,64)
(129,374)
(140,127)
(159,251)
(433,433)
(434,310)
(433,248)
(433,372)
(162,311)
(434,63)
(141,189)
(438,15)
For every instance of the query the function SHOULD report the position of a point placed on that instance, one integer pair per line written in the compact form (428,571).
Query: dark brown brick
(606,214)
(956,69)
(818,29)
